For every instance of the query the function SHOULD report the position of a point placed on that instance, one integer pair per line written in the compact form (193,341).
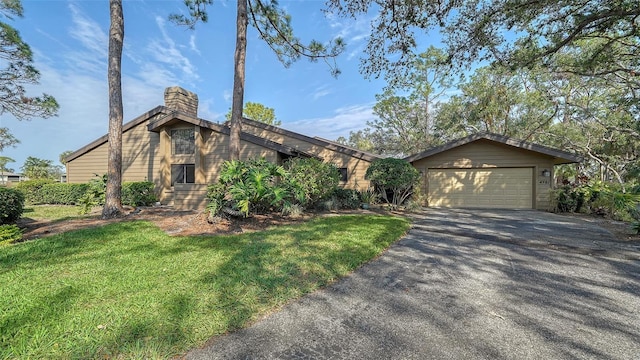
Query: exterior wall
(212,149)
(356,168)
(140,158)
(489,154)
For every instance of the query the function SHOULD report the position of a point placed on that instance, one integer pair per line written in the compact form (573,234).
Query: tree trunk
(238,81)
(113,196)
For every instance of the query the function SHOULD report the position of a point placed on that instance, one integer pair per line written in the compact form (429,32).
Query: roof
(316,141)
(126,127)
(559,156)
(176,115)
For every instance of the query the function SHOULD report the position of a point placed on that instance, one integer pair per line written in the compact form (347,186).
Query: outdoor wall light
(546,173)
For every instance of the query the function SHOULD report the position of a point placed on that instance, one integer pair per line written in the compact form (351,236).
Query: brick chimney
(177,98)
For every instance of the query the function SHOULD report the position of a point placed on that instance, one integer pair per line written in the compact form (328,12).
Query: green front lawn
(128,290)
(52,212)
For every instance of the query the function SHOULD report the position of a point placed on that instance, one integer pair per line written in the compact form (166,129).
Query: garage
(487,170)
(485,188)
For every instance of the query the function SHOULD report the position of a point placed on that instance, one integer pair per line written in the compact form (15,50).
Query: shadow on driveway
(475,284)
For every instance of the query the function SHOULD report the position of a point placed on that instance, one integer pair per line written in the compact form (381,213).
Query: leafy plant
(348,198)
(94,195)
(252,186)
(368,196)
(395,176)
(138,193)
(311,180)
(636,227)
(11,205)
(9,234)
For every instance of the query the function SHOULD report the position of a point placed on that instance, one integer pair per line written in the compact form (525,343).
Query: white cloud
(192,44)
(345,119)
(353,31)
(320,92)
(167,53)
(94,42)
(88,32)
(227,96)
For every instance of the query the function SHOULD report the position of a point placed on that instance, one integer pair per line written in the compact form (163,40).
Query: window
(183,174)
(183,141)
(343,174)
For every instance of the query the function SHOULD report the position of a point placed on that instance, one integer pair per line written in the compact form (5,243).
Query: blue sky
(70,41)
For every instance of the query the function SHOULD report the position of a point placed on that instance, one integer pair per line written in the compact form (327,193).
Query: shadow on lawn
(259,271)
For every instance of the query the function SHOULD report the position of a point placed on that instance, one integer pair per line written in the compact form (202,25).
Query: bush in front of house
(134,193)
(347,199)
(311,180)
(395,177)
(9,233)
(138,193)
(59,194)
(599,198)
(259,186)
(31,189)
(11,205)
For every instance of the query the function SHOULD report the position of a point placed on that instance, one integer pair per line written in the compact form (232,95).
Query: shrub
(251,186)
(9,234)
(599,198)
(31,189)
(60,193)
(138,193)
(134,193)
(215,195)
(395,176)
(11,205)
(310,180)
(348,198)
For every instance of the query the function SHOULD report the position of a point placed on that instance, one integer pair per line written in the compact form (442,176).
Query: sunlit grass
(128,290)
(52,212)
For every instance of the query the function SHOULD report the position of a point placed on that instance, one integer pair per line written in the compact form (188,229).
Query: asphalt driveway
(466,284)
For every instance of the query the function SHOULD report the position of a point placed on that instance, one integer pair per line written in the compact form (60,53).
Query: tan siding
(217,152)
(140,158)
(189,196)
(488,154)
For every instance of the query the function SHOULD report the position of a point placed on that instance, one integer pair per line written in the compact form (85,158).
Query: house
(6,178)
(181,154)
(489,171)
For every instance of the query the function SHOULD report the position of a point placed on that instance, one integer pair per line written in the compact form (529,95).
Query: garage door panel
(496,187)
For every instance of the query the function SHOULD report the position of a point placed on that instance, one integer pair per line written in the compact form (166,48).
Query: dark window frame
(344,174)
(183,174)
(183,141)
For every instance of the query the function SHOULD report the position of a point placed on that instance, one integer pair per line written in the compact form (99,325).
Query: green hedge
(135,193)
(11,205)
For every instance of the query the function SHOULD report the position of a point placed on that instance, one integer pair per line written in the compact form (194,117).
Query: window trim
(185,174)
(344,174)
(191,139)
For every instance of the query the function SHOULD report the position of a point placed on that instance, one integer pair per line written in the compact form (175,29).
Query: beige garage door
(509,188)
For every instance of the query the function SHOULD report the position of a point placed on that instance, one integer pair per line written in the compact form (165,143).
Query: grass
(127,290)
(52,212)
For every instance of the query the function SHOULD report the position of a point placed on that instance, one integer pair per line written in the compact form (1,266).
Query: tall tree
(17,71)
(7,139)
(406,109)
(258,112)
(113,193)
(63,156)
(4,160)
(274,27)
(36,168)
(478,30)
(499,100)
